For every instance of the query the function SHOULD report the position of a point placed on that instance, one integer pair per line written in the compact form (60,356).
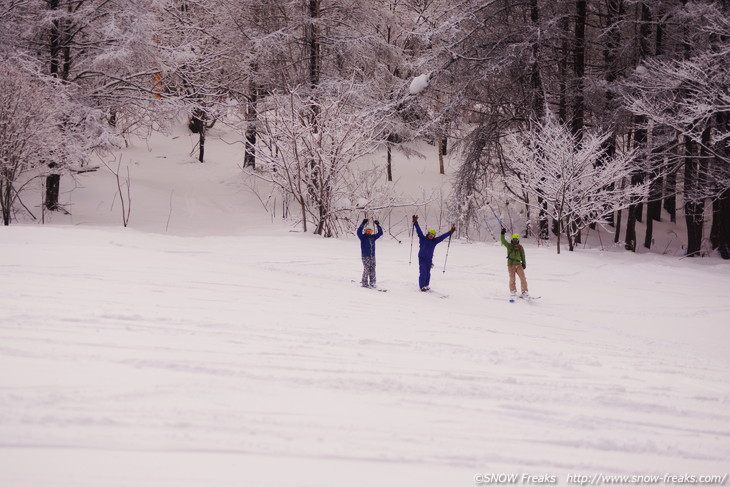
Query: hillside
(207,344)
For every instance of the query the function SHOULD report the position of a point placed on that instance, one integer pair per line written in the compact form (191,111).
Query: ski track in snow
(244,361)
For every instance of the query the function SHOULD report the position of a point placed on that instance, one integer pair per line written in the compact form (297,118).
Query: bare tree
(29,134)
(552,163)
(690,98)
(312,158)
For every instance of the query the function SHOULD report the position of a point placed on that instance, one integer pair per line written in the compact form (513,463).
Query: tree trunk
(640,130)
(670,195)
(563,71)
(721,224)
(579,68)
(640,139)
(538,90)
(630,240)
(654,205)
(441,156)
(558,230)
(53,181)
(389,168)
(649,236)
(198,125)
(543,218)
(653,209)
(313,44)
(53,189)
(610,152)
(720,235)
(6,199)
(538,109)
(249,157)
(313,57)
(614,19)
(640,122)
(693,206)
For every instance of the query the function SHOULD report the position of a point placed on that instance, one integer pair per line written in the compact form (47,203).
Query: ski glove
(524,266)
(364,221)
(503,231)
(453,229)
(377,222)
(415,218)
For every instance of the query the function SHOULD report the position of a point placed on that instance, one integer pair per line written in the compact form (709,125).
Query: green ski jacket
(515,253)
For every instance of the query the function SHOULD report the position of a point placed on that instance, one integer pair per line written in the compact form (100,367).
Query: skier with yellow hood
(516,264)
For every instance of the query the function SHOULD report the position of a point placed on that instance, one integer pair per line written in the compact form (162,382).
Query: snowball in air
(419,84)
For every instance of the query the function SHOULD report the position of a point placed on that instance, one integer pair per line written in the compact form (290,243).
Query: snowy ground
(229,351)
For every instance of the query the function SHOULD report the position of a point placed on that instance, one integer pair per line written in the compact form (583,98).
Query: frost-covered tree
(494,63)
(265,50)
(689,98)
(29,130)
(101,51)
(200,71)
(550,165)
(310,156)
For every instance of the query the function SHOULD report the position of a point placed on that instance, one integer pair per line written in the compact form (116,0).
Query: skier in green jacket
(516,264)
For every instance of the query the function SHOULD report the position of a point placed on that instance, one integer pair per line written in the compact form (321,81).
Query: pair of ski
(368,287)
(435,293)
(515,297)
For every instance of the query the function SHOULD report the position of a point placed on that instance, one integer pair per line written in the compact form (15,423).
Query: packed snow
(213,344)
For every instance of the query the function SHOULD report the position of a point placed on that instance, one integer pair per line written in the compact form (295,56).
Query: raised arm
(380,230)
(501,237)
(362,225)
(418,229)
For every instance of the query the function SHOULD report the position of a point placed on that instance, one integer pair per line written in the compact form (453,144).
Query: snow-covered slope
(207,346)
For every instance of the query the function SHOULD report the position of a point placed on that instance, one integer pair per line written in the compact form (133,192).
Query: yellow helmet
(515,236)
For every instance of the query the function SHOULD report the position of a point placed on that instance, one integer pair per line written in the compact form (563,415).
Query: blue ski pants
(424,272)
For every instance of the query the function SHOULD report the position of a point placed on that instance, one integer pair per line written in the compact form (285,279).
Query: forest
(579,112)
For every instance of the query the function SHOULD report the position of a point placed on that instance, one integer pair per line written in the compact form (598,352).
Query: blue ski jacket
(426,245)
(367,242)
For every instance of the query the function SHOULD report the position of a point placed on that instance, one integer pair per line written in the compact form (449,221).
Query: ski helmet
(516,236)
(368,230)
(432,232)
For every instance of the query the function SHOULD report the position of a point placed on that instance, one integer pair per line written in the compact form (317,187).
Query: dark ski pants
(424,272)
(368,270)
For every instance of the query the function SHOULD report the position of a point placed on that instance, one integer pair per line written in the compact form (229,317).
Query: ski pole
(495,215)
(410,257)
(447,253)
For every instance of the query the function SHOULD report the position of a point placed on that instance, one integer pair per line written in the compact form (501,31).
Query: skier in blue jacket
(367,249)
(427,243)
